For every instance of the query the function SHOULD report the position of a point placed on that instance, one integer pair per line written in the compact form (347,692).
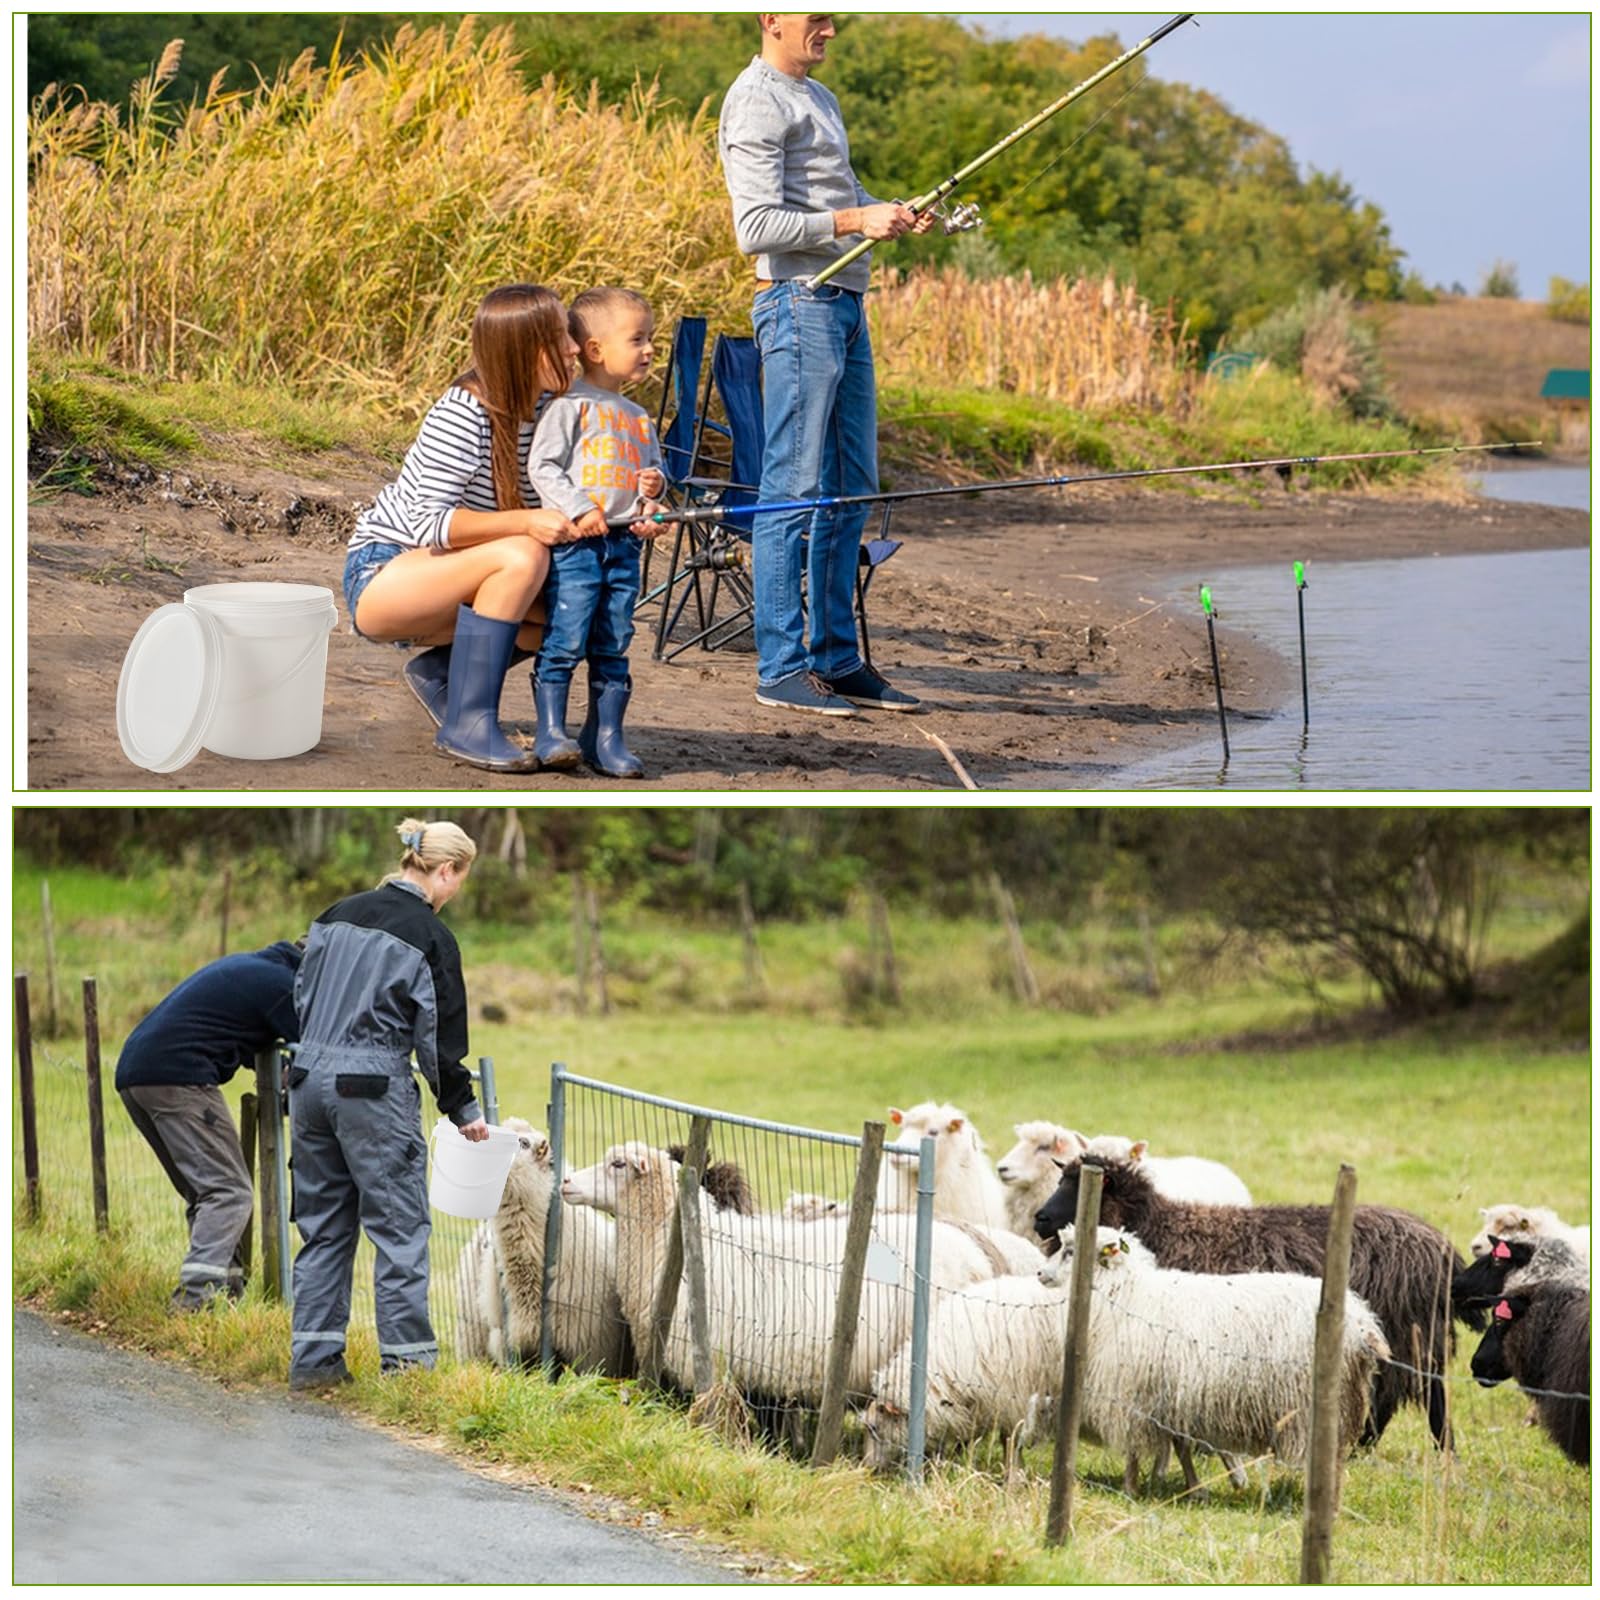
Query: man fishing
(797,207)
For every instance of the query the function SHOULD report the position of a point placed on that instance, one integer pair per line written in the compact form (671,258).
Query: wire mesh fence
(774,1210)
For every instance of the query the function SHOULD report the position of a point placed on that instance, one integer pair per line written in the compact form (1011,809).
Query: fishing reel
(962,217)
(721,553)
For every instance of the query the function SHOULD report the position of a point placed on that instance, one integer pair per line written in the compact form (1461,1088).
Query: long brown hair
(518,340)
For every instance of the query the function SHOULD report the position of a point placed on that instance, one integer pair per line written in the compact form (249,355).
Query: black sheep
(1542,1340)
(1515,1265)
(1399,1264)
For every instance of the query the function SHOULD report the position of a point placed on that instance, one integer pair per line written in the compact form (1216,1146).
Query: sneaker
(802,691)
(311,1380)
(864,687)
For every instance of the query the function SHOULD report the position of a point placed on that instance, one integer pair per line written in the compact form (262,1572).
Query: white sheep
(771,1282)
(587,1327)
(1029,1172)
(1223,1360)
(965,1188)
(1526,1222)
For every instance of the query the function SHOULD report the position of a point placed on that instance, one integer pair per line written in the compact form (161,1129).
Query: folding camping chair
(680,391)
(733,448)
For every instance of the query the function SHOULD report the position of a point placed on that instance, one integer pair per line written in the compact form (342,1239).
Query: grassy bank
(1425,1116)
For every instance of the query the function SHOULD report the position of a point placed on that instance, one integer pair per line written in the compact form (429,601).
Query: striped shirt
(446,469)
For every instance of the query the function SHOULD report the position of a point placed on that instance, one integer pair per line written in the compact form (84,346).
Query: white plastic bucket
(274,666)
(468,1177)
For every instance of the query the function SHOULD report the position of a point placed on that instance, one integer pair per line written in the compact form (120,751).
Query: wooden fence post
(842,1346)
(97,1114)
(653,1357)
(1022,978)
(274,1202)
(30,1121)
(885,975)
(694,1261)
(580,943)
(227,899)
(1327,1371)
(1075,1358)
(247,1144)
(52,1011)
(597,952)
(755,977)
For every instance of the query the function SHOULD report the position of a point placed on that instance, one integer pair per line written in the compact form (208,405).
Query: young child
(595,457)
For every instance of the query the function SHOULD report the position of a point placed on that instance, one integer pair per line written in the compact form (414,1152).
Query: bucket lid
(167,694)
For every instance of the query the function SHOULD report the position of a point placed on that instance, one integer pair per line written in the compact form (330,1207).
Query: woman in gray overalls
(381,979)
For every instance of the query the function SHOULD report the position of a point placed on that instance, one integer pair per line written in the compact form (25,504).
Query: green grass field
(1433,1120)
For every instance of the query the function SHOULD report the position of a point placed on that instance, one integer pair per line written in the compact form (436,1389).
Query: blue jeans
(361,566)
(589,598)
(821,406)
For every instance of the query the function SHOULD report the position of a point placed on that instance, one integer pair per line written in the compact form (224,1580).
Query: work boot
(313,1380)
(550,743)
(600,739)
(479,657)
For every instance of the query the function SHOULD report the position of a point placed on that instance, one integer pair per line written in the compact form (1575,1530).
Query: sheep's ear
(896,1115)
(542,1149)
(640,1164)
(956,1124)
(1138,1150)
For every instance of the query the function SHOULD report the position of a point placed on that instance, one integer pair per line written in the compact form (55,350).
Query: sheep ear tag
(1501,1251)
(1503,1312)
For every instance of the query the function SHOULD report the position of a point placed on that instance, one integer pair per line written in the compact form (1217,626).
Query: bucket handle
(319,643)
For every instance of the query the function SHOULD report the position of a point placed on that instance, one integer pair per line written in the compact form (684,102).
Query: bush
(1500,282)
(1568,302)
(1336,355)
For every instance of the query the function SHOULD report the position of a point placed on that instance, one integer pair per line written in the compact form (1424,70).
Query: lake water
(1538,486)
(1455,673)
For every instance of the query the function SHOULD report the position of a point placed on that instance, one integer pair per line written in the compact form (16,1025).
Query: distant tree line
(1148,178)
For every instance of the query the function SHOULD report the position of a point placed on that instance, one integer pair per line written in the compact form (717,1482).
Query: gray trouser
(189,1128)
(359,1162)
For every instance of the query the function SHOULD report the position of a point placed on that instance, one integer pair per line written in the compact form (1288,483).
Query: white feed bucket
(274,666)
(238,669)
(468,1178)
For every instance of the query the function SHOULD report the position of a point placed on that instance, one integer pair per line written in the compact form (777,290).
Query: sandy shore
(1032,625)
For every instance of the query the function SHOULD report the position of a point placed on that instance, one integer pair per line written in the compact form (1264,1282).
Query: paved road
(129,1470)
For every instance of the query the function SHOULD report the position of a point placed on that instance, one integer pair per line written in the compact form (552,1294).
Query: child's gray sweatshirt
(589,449)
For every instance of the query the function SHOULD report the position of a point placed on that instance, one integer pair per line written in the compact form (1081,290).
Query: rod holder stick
(1300,601)
(940,190)
(556,1115)
(1327,1371)
(30,1116)
(917,1422)
(847,1307)
(1216,668)
(97,1113)
(1075,1356)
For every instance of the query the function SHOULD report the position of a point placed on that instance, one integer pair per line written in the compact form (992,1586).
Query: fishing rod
(935,196)
(738,513)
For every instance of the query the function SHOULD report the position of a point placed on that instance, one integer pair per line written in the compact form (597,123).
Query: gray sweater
(589,449)
(786,160)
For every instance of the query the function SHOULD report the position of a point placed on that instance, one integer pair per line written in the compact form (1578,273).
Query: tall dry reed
(336,226)
(1085,342)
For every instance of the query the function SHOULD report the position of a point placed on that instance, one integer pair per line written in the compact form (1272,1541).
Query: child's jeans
(589,600)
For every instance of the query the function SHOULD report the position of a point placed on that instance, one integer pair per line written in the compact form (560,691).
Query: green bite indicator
(1205,598)
(1300,574)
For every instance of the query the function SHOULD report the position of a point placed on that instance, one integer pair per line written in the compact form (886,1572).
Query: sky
(1470,132)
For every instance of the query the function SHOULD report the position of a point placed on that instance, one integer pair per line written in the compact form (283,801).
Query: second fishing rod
(741,513)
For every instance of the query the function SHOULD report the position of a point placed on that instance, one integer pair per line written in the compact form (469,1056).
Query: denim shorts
(361,566)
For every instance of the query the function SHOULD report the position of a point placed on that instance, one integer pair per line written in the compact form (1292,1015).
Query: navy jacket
(215,1021)
(381,980)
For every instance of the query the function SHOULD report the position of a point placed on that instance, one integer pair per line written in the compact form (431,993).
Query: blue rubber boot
(600,739)
(428,678)
(479,657)
(550,743)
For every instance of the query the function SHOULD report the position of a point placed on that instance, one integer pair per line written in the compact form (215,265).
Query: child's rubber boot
(551,744)
(470,732)
(601,736)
